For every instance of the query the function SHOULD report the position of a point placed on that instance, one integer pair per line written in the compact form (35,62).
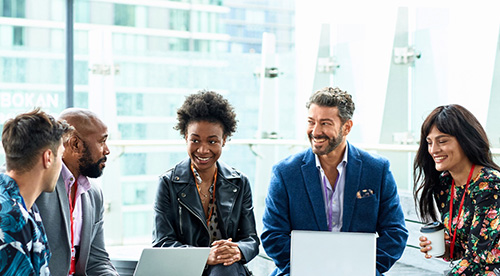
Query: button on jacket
(179,215)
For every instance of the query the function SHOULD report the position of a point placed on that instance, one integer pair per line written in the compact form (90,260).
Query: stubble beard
(333,143)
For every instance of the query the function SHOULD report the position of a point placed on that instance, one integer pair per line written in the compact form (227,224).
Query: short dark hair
(457,121)
(206,106)
(334,97)
(27,135)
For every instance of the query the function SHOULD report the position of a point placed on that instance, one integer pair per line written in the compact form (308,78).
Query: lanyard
(72,225)
(452,245)
(198,179)
(329,200)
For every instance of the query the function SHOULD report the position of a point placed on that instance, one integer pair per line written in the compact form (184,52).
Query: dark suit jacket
(295,202)
(54,209)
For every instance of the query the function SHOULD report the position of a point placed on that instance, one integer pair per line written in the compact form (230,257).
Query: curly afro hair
(206,106)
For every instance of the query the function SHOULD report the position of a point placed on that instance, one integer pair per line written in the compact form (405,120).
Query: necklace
(201,193)
(198,181)
(211,191)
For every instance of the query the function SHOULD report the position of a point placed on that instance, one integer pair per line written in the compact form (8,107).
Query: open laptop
(172,261)
(321,253)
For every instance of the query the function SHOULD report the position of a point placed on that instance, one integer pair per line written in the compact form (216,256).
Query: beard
(88,167)
(333,143)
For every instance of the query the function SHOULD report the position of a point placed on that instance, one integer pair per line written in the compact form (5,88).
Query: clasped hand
(224,252)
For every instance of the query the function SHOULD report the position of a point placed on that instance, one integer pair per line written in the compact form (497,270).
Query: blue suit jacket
(295,202)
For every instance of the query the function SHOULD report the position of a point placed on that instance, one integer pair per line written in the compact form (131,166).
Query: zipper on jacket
(192,212)
(180,220)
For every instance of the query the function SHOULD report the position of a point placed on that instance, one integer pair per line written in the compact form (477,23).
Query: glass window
(202,45)
(124,15)
(17,36)
(81,11)
(178,44)
(255,16)
(158,18)
(137,69)
(179,20)
(136,78)
(13,8)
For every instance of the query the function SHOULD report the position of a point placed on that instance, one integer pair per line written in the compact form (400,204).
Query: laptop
(321,253)
(172,261)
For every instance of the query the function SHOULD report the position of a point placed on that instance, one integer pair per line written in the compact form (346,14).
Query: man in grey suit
(73,213)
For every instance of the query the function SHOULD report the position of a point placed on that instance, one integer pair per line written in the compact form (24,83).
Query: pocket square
(364,193)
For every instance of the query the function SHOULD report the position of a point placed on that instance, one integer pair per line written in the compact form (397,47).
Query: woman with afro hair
(201,201)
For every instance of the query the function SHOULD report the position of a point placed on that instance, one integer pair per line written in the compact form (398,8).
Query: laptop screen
(332,253)
(172,261)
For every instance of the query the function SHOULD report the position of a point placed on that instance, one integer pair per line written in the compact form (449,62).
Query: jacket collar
(313,186)
(352,180)
(226,192)
(182,174)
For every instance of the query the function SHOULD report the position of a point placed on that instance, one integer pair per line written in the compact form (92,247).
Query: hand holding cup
(433,234)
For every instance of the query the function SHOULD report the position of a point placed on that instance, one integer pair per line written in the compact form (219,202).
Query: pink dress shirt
(83,187)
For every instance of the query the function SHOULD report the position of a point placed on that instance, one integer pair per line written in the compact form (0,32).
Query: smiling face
(325,129)
(446,152)
(204,144)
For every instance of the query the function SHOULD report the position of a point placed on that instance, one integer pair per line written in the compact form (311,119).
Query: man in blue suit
(333,186)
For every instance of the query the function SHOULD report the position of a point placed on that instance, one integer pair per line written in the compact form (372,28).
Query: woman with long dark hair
(454,170)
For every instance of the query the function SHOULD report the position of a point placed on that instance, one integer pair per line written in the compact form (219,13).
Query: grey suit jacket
(54,209)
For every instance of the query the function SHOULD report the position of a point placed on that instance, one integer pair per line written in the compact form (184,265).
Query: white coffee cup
(434,232)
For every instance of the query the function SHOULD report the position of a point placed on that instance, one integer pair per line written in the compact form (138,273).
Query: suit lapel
(352,179)
(313,187)
(86,234)
(64,206)
(189,197)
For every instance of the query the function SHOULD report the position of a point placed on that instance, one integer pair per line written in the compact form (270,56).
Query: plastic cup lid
(432,227)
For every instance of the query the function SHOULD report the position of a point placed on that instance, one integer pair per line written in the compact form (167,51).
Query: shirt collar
(342,163)
(69,179)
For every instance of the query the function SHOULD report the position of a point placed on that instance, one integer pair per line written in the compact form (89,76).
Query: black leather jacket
(179,217)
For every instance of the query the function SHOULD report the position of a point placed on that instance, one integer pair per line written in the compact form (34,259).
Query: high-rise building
(134,62)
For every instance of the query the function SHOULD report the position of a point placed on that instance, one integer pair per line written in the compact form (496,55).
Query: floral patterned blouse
(478,232)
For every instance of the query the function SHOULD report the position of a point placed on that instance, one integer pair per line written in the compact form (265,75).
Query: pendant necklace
(198,185)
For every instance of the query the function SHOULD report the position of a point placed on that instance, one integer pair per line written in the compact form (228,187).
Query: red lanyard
(452,245)
(71,209)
